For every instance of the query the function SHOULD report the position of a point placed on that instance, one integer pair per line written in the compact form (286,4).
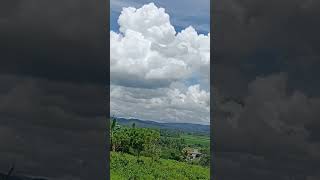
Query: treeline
(154,143)
(136,141)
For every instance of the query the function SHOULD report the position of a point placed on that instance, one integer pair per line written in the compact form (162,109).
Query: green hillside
(124,166)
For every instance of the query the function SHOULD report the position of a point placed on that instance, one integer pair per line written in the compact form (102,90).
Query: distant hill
(185,127)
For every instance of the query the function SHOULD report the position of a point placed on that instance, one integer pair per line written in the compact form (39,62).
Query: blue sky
(182,12)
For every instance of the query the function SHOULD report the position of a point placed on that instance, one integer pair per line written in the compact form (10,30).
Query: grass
(125,167)
(196,139)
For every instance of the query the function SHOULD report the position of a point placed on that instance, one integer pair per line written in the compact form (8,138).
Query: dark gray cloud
(273,127)
(52,129)
(268,36)
(35,36)
(266,55)
(53,78)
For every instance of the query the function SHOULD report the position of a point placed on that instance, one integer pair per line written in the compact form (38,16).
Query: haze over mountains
(185,127)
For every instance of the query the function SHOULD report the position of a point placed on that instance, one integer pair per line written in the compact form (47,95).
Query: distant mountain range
(185,127)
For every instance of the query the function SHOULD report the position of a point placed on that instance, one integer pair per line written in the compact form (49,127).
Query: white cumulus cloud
(151,63)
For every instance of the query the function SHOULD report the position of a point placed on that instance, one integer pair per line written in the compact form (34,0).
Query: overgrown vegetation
(124,166)
(145,153)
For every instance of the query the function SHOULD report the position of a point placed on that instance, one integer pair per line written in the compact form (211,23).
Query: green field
(125,167)
(196,139)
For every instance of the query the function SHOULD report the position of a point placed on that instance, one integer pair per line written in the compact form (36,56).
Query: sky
(266,54)
(52,76)
(198,13)
(266,58)
(160,61)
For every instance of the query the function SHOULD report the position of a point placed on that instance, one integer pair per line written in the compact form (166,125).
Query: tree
(112,128)
(205,160)
(135,140)
(121,140)
(151,144)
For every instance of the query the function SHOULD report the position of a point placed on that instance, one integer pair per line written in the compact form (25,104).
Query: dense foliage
(134,140)
(125,166)
(139,153)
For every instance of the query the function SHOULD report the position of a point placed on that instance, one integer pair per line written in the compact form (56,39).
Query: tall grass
(128,167)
